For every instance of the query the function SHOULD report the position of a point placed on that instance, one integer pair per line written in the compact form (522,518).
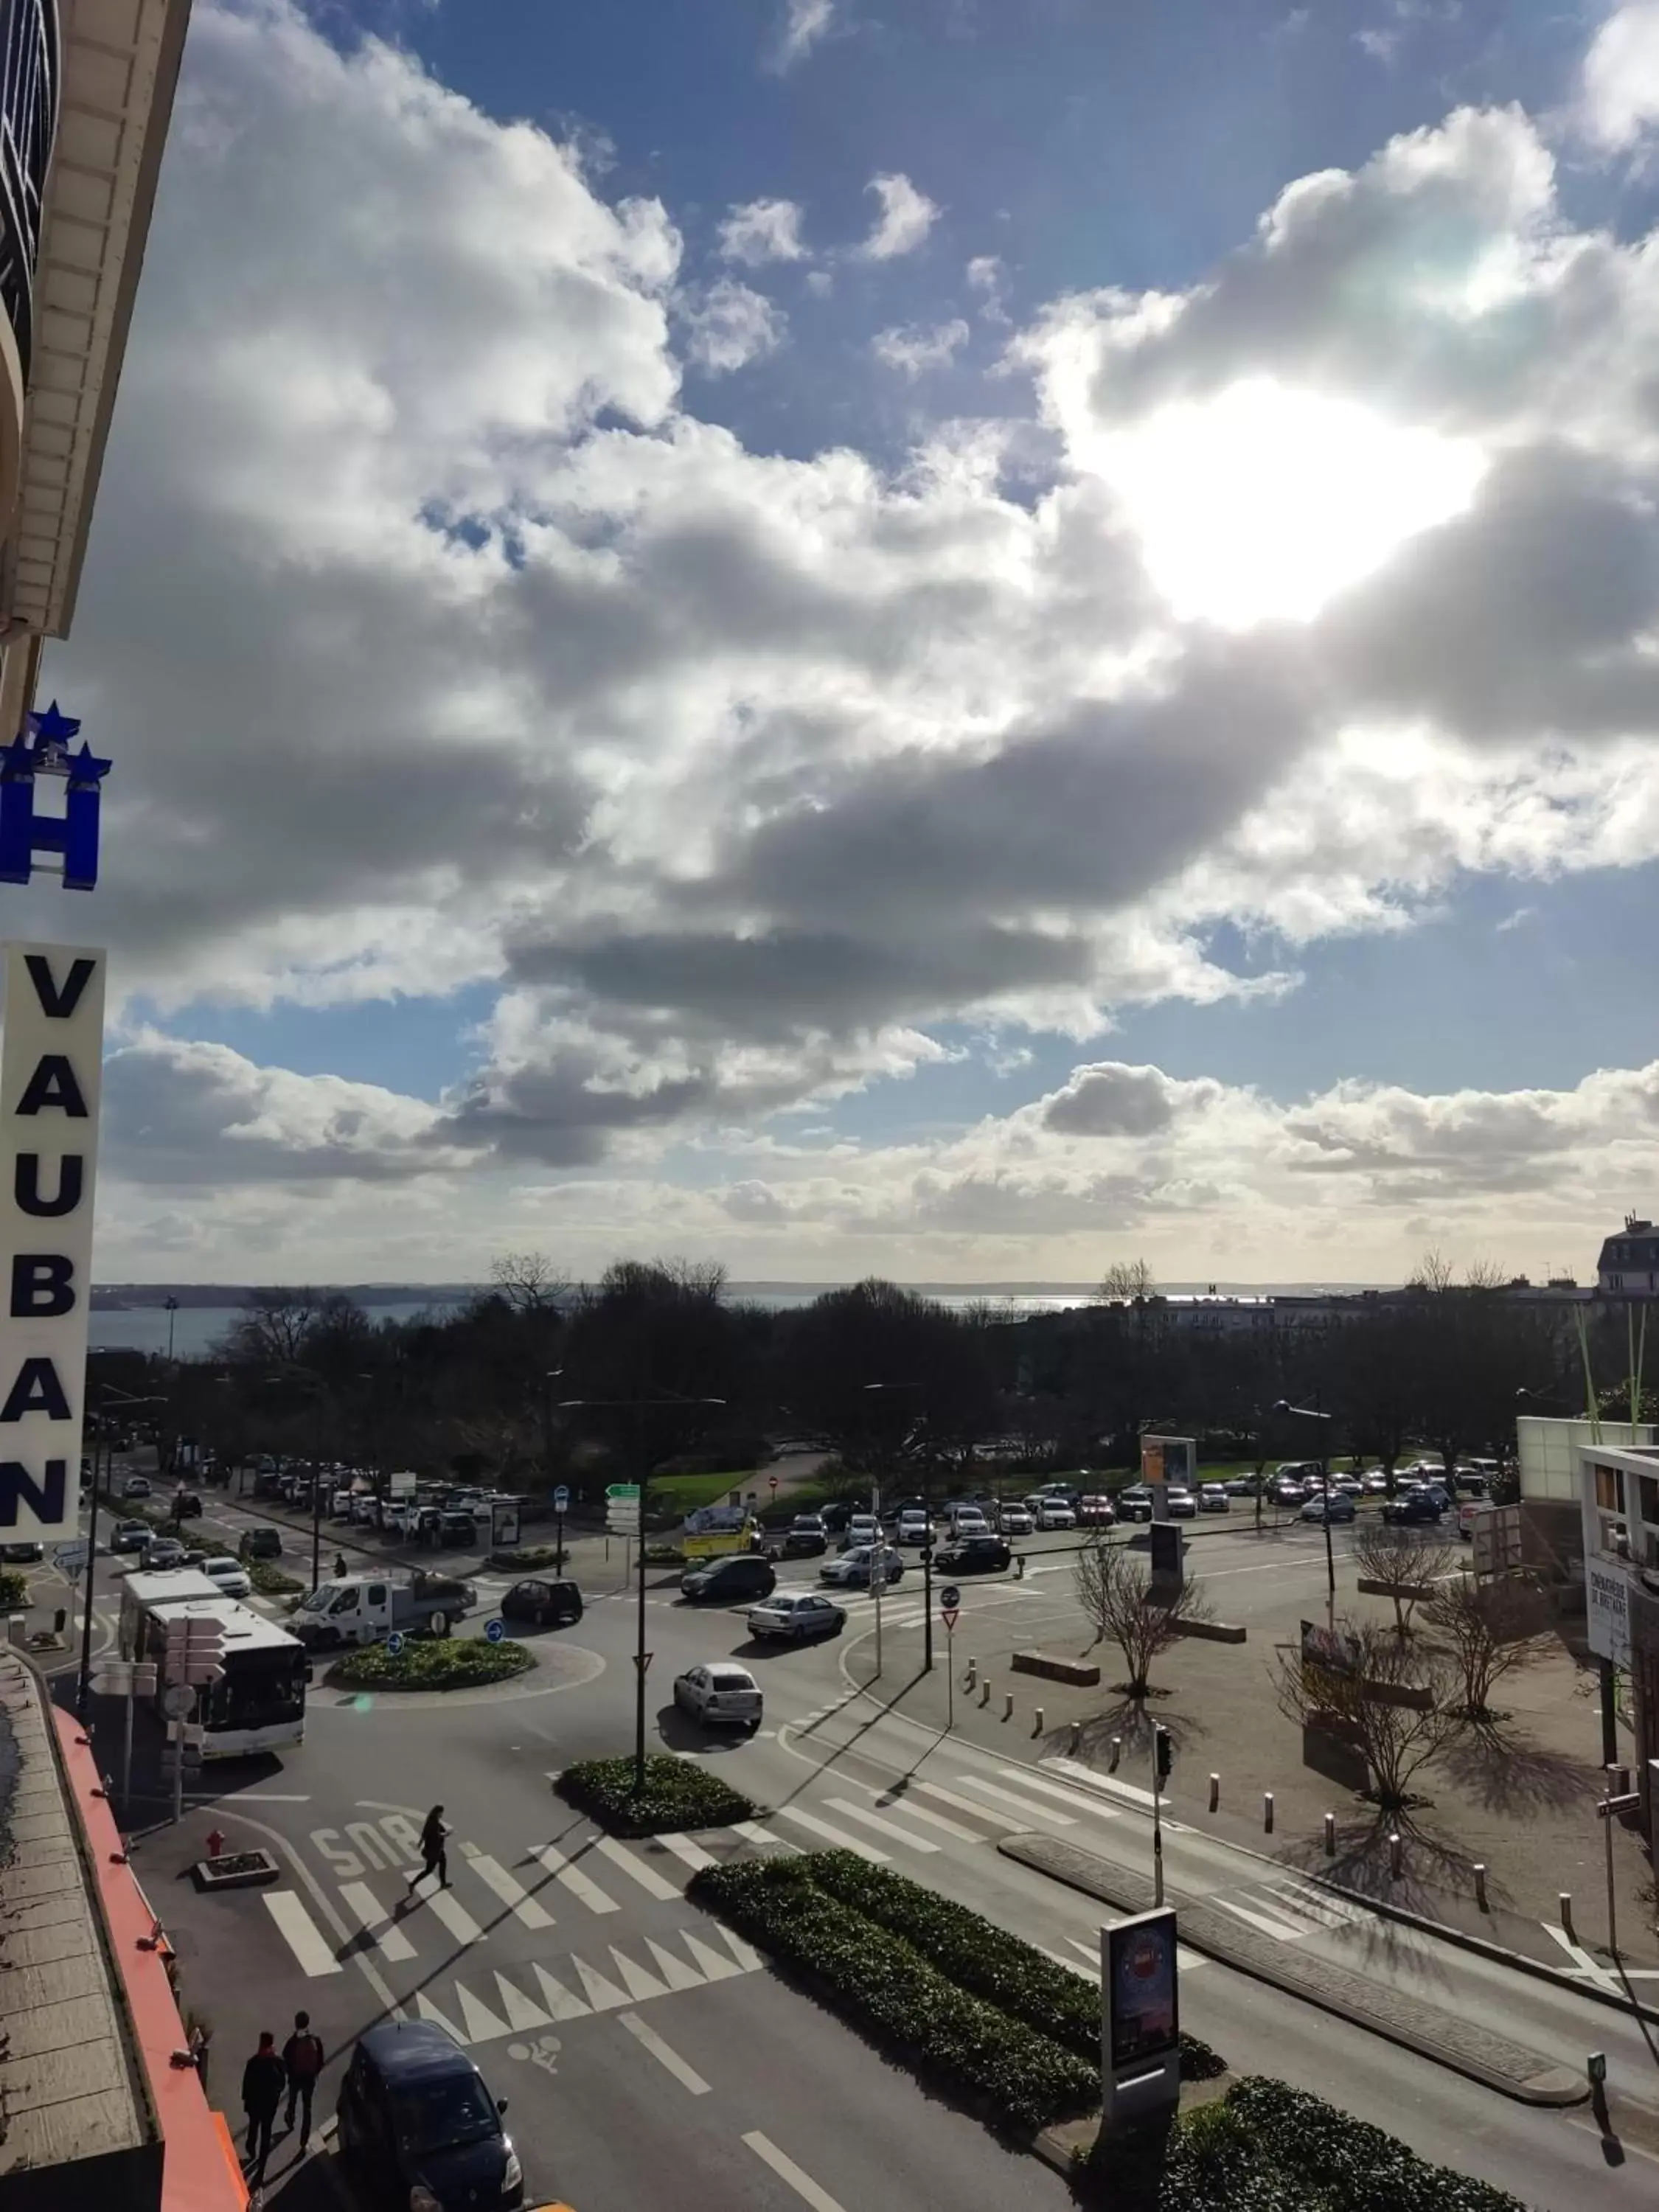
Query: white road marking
(522,2012)
(889,1803)
(305,1938)
(786,2170)
(674,1971)
(561,2002)
(1074,1798)
(389,1938)
(745,1953)
(573,1879)
(755,1834)
(602,1993)
(836,1837)
(890,1829)
(689,1854)
(641,1984)
(1581,1958)
(428,2010)
(510,1891)
(454,1916)
(715,1967)
(1282,1931)
(1189,1961)
(1071,1965)
(1112,1788)
(1294,1897)
(687,2076)
(966,1805)
(1035,1812)
(647,1877)
(480,2024)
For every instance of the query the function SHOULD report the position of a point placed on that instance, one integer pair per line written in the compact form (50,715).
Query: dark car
(129,1536)
(542,1604)
(733,1580)
(1134,1504)
(456,1528)
(1414,1506)
(416,2117)
(187,1506)
(22,1554)
(260,1544)
(806,1537)
(973,1555)
(837,1517)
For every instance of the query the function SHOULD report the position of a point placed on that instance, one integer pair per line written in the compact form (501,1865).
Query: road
(675,2050)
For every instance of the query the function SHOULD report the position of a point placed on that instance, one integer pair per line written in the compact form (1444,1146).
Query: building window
(1647,1488)
(1609,1490)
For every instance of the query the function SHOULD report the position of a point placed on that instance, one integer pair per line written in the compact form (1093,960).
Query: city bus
(259,1703)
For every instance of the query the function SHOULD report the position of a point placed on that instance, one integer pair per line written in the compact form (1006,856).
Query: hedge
(528,1559)
(14,1590)
(1278,2149)
(1020,2079)
(271,1582)
(980,1956)
(677,1795)
(438,1662)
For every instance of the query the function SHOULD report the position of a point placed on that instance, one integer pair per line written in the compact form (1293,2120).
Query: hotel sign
(51,1072)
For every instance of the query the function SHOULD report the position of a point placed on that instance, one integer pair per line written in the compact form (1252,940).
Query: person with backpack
(433,1856)
(302,2062)
(262,2092)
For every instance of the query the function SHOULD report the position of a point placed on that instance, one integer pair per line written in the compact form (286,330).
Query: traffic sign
(773,1481)
(177,1700)
(495,1630)
(561,1499)
(70,1560)
(951,1596)
(394,1642)
(622,1492)
(643,1660)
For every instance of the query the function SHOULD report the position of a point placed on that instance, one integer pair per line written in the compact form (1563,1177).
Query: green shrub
(271,1582)
(438,1662)
(527,1559)
(14,1590)
(982,1957)
(1341,2161)
(882,1983)
(677,1795)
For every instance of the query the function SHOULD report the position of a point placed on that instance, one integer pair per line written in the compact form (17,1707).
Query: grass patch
(438,1662)
(271,1582)
(677,1795)
(1019,2078)
(684,1493)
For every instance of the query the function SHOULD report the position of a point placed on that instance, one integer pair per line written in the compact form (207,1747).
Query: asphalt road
(646,2060)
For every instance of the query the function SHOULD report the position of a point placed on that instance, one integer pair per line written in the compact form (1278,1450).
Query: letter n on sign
(51,1058)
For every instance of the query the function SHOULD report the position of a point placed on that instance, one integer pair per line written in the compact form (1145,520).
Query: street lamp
(928,1547)
(291,1371)
(1313,1413)
(171,1306)
(638,1407)
(83,1678)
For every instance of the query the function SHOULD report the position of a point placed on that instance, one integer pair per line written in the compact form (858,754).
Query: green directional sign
(623,1492)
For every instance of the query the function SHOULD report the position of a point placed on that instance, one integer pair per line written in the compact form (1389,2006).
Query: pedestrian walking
(302,2062)
(432,1850)
(341,1570)
(262,2092)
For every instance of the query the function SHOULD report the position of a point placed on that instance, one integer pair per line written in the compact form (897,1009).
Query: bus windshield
(259,1689)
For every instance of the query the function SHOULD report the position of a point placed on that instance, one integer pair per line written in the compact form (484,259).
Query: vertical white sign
(50,1078)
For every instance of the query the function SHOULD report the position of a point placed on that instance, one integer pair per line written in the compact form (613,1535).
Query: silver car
(719,1695)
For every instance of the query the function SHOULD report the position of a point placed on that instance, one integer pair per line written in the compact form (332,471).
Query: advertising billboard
(1142,2027)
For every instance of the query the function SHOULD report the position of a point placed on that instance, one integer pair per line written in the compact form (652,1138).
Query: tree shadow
(1504,1770)
(1128,1722)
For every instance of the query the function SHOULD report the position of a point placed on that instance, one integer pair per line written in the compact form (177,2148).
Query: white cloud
(1620,90)
(984,274)
(727,325)
(803,23)
(911,348)
(761,231)
(906,218)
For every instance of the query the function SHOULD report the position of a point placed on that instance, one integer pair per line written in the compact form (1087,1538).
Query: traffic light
(1163,1753)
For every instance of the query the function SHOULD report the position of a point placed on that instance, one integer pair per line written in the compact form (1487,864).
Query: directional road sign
(394,1642)
(70,1560)
(622,1494)
(495,1630)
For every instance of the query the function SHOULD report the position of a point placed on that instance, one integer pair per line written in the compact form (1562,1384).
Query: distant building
(1629,1266)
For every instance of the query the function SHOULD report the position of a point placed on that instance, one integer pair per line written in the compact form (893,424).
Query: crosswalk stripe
(1281,1931)
(1109,1784)
(689,1854)
(1189,1961)
(716,1968)
(481,2024)
(371,1915)
(889,1803)
(888,1828)
(745,1953)
(573,1879)
(602,1993)
(428,2010)
(755,1834)
(305,1939)
(835,1836)
(647,1877)
(448,1908)
(640,1983)
(1021,1804)
(674,1971)
(510,1891)
(966,1805)
(522,2012)
(1074,1798)
(1071,1965)
(1294,1897)
(562,2003)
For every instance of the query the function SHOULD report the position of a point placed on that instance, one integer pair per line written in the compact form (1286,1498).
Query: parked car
(806,1537)
(1183,1506)
(971,1521)
(135,1486)
(1016,1520)
(1212,1498)
(1051,1513)
(856,1569)
(1413,1507)
(1374,1482)
(260,1544)
(731,1581)
(796,1616)
(913,1526)
(417,2125)
(1243,1485)
(1134,1504)
(458,1528)
(231,1575)
(161,1554)
(861,1528)
(1096,1511)
(836,1516)
(1351,1485)
(720,1695)
(24,1553)
(339,1505)
(544,1603)
(973,1555)
(1337,1506)
(129,1536)
(1286,1492)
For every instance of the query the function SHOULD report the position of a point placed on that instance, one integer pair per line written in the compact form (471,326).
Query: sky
(883,635)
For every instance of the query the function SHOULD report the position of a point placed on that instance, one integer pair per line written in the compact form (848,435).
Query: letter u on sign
(50,1088)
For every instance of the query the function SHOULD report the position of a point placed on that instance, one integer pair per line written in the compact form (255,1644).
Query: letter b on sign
(42,1285)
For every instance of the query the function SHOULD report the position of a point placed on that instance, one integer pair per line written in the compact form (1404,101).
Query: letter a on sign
(50,1083)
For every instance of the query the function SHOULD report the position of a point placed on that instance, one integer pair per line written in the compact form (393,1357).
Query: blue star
(53,728)
(85,770)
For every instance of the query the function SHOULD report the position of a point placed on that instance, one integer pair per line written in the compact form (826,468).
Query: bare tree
(1433,1272)
(1128,1608)
(1393,1701)
(273,1329)
(1410,1565)
(1487,1275)
(1488,1630)
(528,1280)
(1130,1280)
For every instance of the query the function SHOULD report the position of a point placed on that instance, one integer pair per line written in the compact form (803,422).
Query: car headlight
(420,2199)
(512,2173)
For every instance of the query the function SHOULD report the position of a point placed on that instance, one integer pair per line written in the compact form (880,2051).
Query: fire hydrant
(216,1842)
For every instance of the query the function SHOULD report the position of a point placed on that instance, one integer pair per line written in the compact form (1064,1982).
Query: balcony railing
(29,83)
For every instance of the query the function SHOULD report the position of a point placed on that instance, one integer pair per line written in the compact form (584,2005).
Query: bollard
(1396,1855)
(1077,1738)
(1330,1835)
(1008,1705)
(1481,1887)
(1117,1752)
(1268,1810)
(973,1673)
(1565,1901)
(985,1692)
(1037,1722)
(1215,1792)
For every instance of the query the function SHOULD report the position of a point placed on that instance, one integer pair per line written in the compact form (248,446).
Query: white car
(862,1529)
(1054,1513)
(135,1486)
(969,1520)
(1016,1521)
(914,1527)
(230,1575)
(856,1569)
(719,1695)
(1214,1499)
(795,1616)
